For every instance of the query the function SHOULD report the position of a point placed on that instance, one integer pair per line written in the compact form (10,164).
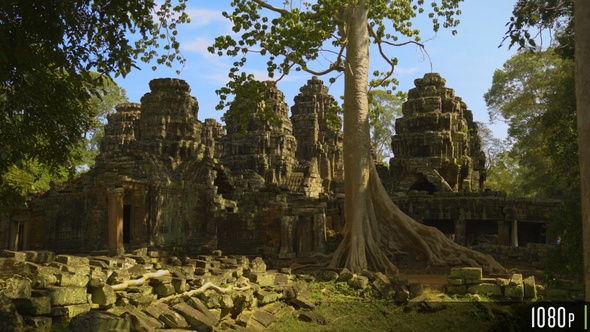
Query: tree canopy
(47,49)
(534,94)
(384,108)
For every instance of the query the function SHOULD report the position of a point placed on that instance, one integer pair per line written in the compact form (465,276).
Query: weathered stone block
(39,324)
(164,290)
(466,273)
(262,278)
(97,279)
(70,311)
(456,281)
(263,317)
(302,302)
(452,289)
(34,306)
(99,321)
(72,260)
(383,285)
(103,296)
(61,296)
(516,287)
(326,275)
(530,289)
(257,265)
(169,317)
(193,316)
(180,285)
(66,279)
(485,289)
(265,297)
(138,299)
(17,287)
(358,282)
(140,322)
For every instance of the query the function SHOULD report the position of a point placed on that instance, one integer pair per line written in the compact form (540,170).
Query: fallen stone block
(140,322)
(10,318)
(99,321)
(164,290)
(459,290)
(310,316)
(34,306)
(197,304)
(39,324)
(402,293)
(257,265)
(358,282)
(103,296)
(193,316)
(265,297)
(61,296)
(485,289)
(383,285)
(263,317)
(530,289)
(169,317)
(473,273)
(302,302)
(72,260)
(70,311)
(515,288)
(17,287)
(67,279)
(138,299)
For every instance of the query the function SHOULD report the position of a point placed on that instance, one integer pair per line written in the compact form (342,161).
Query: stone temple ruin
(167,180)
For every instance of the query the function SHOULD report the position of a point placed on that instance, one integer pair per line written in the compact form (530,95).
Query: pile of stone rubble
(149,291)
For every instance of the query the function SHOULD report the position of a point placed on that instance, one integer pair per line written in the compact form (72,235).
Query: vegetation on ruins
(292,38)
(47,52)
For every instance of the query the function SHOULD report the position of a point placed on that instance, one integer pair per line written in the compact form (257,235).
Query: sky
(466,60)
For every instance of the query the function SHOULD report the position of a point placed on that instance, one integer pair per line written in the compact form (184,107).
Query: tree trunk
(582,54)
(368,210)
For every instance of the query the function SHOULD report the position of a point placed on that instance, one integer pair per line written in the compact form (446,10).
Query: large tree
(293,37)
(534,94)
(582,54)
(47,49)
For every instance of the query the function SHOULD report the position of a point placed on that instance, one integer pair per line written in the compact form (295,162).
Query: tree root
(200,290)
(140,281)
(403,231)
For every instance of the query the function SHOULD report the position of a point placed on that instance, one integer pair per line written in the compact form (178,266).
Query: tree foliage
(534,94)
(47,49)
(532,18)
(31,177)
(384,108)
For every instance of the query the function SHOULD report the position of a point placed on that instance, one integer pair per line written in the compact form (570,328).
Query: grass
(346,309)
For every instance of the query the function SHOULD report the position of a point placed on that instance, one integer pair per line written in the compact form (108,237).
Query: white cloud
(203,17)
(199,45)
(406,71)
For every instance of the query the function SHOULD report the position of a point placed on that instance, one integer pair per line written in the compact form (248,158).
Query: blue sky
(467,60)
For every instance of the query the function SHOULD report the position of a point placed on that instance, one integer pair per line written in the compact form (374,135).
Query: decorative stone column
(319,229)
(115,218)
(504,233)
(460,228)
(287,223)
(514,239)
